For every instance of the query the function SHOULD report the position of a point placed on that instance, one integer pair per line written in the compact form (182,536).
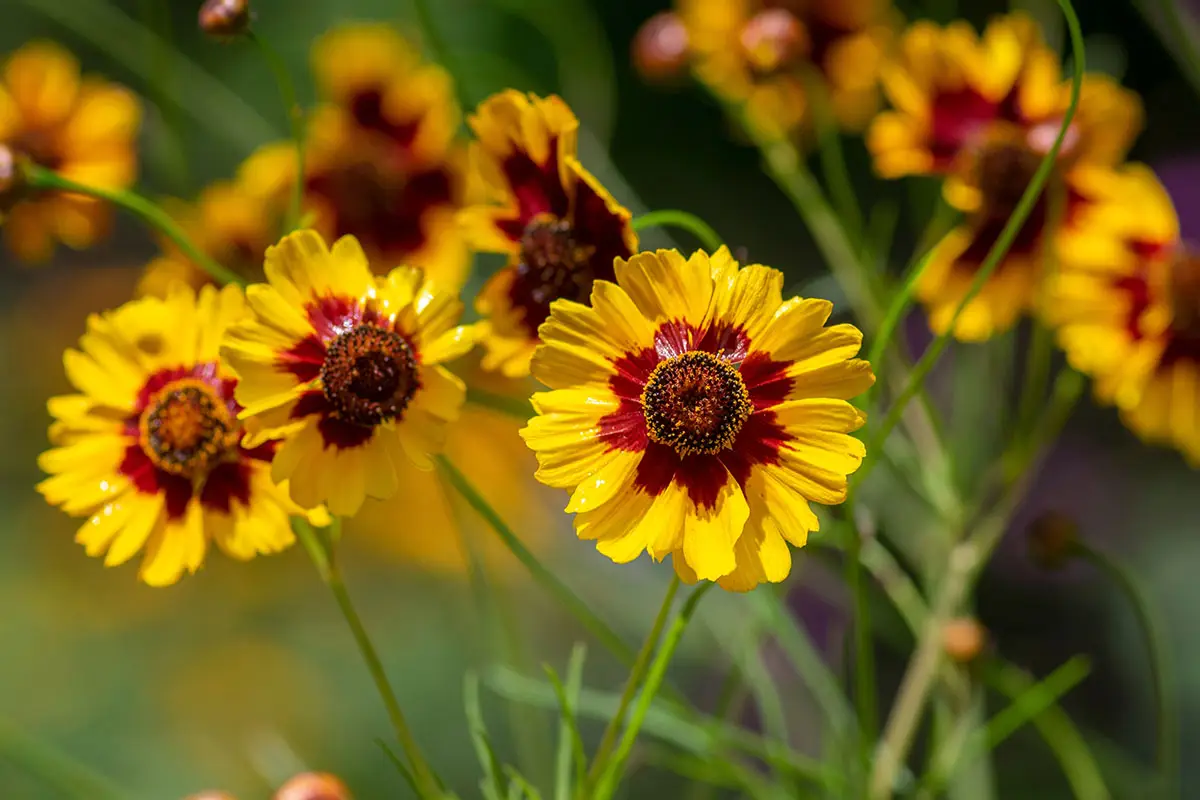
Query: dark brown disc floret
(187,429)
(554,264)
(696,403)
(369,375)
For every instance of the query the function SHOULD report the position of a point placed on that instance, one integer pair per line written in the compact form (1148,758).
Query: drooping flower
(83,128)
(150,448)
(764,53)
(229,222)
(381,161)
(1126,302)
(984,111)
(694,413)
(559,227)
(344,367)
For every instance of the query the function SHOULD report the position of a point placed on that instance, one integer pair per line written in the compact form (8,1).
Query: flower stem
(637,676)
(147,211)
(611,777)
(295,115)
(864,652)
(58,769)
(327,566)
(543,576)
(671,218)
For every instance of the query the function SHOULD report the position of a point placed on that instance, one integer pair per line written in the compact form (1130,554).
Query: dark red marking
(367,109)
(310,403)
(343,435)
(537,189)
(766,380)
(758,442)
(702,476)
(148,479)
(228,482)
(304,359)
(625,428)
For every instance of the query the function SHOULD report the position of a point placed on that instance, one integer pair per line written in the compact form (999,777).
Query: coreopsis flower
(83,128)
(344,367)
(558,225)
(150,450)
(230,223)
(764,53)
(694,413)
(382,164)
(1126,303)
(984,111)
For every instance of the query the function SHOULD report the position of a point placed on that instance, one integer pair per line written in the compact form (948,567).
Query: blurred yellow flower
(381,162)
(149,449)
(696,414)
(536,203)
(84,128)
(345,368)
(764,52)
(1126,302)
(984,111)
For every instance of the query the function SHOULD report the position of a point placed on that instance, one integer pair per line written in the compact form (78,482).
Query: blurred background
(244,674)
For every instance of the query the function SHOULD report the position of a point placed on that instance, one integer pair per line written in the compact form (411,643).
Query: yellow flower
(228,222)
(344,367)
(1126,301)
(984,111)
(381,161)
(758,52)
(84,128)
(696,414)
(559,227)
(149,449)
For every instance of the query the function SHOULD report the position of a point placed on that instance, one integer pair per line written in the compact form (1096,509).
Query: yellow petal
(606,483)
(710,533)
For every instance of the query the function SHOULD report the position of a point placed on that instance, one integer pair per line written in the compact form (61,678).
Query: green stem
(56,768)
(295,115)
(658,669)
(1177,22)
(439,51)
(543,576)
(671,218)
(1166,698)
(916,379)
(833,159)
(636,676)
(330,572)
(45,180)
(864,652)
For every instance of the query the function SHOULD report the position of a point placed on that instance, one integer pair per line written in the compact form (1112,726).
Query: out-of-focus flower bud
(1053,537)
(12,180)
(210,795)
(772,39)
(964,639)
(313,786)
(660,49)
(225,18)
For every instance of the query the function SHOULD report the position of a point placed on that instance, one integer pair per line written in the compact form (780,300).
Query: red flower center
(695,402)
(553,263)
(369,375)
(1006,169)
(187,429)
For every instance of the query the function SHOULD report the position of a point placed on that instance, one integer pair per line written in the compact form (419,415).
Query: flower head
(984,111)
(344,367)
(695,414)
(381,160)
(80,127)
(760,52)
(150,450)
(1126,303)
(558,225)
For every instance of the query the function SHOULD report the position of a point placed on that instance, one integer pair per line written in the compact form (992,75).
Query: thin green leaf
(519,786)
(493,784)
(570,743)
(1035,700)
(670,218)
(400,766)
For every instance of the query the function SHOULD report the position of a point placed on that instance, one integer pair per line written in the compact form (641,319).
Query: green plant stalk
(543,576)
(42,179)
(864,649)
(330,572)
(999,250)
(439,50)
(55,767)
(615,769)
(833,160)
(637,676)
(1184,45)
(670,218)
(1163,682)
(295,116)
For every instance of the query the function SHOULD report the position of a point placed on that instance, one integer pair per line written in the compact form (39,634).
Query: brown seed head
(660,49)
(1053,537)
(963,639)
(313,786)
(225,18)
(772,39)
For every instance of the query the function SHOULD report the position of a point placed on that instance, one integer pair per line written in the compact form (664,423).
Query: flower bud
(963,639)
(772,39)
(313,786)
(1052,540)
(660,49)
(225,18)
(210,795)
(12,180)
